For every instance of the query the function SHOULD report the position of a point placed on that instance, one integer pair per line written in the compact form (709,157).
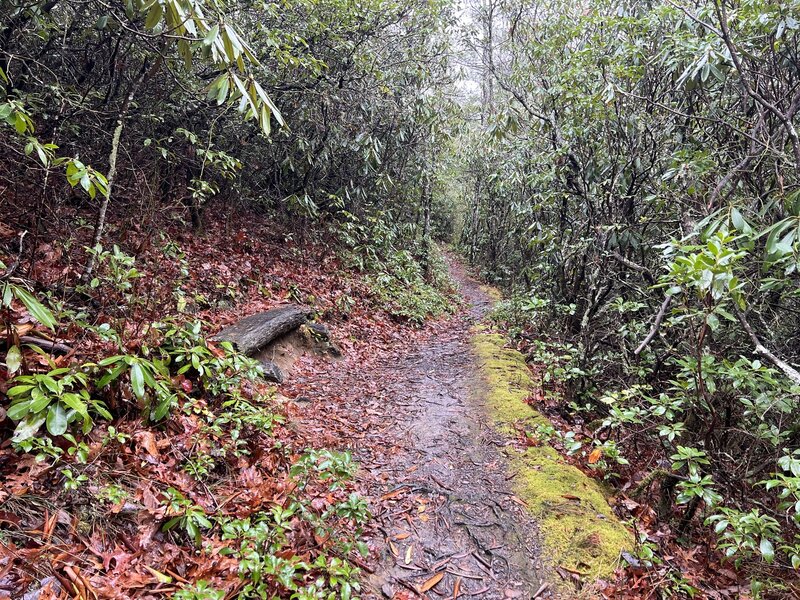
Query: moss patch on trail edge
(580,531)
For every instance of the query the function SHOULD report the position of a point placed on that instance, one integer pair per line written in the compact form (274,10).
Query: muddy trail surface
(447,523)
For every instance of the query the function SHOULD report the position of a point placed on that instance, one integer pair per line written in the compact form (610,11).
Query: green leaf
(36,308)
(154,16)
(767,550)
(101,410)
(74,402)
(18,411)
(212,34)
(13,359)
(162,408)
(137,380)
(110,360)
(39,401)
(112,375)
(224,88)
(57,419)
(18,390)
(739,222)
(42,156)
(28,427)
(7,294)
(776,231)
(50,383)
(203,521)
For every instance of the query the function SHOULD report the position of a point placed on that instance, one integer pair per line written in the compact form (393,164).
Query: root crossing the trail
(446,521)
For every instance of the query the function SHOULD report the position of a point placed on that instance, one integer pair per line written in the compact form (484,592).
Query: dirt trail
(435,474)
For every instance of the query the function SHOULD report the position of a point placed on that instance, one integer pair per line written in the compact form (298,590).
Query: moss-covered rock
(579,529)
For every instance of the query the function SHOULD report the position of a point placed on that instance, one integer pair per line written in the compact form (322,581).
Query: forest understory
(376,466)
(327,299)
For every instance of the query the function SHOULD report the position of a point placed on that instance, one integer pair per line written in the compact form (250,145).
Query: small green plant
(609,451)
(345,304)
(186,515)
(119,269)
(199,465)
(744,534)
(54,399)
(113,493)
(647,551)
(114,435)
(73,481)
(89,179)
(325,465)
(201,590)
(690,459)
(42,448)
(186,348)
(149,381)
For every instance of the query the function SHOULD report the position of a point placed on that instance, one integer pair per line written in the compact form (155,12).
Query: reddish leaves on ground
(66,541)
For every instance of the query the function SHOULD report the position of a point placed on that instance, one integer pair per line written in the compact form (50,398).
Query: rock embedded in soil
(272,372)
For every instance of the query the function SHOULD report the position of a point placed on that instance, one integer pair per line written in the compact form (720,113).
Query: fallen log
(256,331)
(48,345)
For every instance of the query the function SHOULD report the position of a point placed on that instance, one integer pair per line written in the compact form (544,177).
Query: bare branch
(787,369)
(656,324)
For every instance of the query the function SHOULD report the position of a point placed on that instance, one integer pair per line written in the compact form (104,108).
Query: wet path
(446,522)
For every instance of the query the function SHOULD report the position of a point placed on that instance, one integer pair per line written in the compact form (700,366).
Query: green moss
(579,529)
(493,293)
(509,381)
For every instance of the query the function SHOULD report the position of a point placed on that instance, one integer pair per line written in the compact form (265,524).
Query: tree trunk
(100,223)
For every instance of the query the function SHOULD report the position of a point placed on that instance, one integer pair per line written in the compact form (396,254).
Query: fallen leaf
(147,440)
(594,457)
(160,577)
(393,494)
(431,582)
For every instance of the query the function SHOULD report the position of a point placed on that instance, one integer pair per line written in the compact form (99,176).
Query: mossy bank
(579,530)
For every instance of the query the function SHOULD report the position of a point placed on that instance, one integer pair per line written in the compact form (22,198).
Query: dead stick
(656,324)
(48,345)
(787,369)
